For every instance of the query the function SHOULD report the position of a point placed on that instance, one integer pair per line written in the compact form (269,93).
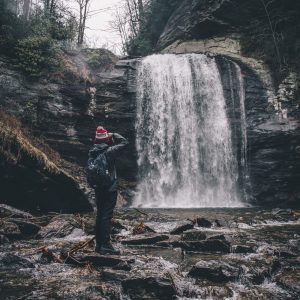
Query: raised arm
(121,144)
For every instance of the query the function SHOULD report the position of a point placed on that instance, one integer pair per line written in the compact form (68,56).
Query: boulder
(289,280)
(114,276)
(59,227)
(8,261)
(202,222)
(221,237)
(33,176)
(159,287)
(26,227)
(3,239)
(242,249)
(11,230)
(195,235)
(174,241)
(214,271)
(7,211)
(206,246)
(182,226)
(147,239)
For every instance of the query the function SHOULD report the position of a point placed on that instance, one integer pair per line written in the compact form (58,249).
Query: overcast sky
(98,32)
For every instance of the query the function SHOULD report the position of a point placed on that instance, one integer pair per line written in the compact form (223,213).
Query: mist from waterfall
(183,135)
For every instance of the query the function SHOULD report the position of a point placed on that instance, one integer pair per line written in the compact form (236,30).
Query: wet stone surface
(244,254)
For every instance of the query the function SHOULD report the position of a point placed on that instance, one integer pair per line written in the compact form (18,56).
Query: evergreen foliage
(34,42)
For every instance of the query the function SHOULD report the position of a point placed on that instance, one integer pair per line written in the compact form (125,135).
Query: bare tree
(129,20)
(272,27)
(84,6)
(26,8)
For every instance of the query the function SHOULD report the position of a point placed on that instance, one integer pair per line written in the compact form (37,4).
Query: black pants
(106,202)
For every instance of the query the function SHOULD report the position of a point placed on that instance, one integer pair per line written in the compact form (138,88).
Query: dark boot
(107,249)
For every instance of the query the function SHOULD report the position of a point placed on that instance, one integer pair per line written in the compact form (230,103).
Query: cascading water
(184,143)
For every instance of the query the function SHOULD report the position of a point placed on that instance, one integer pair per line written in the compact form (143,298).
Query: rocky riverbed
(166,254)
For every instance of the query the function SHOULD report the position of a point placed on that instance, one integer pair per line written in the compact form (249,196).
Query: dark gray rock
(174,241)
(59,227)
(202,222)
(114,276)
(289,280)
(147,239)
(7,211)
(206,246)
(26,227)
(149,288)
(195,235)
(242,249)
(104,261)
(3,239)
(221,237)
(184,226)
(214,271)
(11,230)
(8,261)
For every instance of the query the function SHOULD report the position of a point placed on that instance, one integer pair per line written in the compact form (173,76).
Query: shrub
(37,53)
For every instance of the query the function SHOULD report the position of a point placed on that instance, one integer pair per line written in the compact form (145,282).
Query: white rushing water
(184,143)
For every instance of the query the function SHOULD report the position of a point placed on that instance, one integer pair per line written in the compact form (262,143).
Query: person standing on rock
(102,176)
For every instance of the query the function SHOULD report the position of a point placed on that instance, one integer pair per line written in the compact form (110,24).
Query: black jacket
(111,152)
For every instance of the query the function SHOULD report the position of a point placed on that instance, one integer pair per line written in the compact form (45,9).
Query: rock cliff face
(33,179)
(65,108)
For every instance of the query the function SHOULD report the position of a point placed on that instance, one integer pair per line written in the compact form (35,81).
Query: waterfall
(183,135)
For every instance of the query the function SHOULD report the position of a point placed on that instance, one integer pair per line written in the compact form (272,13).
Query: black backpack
(98,172)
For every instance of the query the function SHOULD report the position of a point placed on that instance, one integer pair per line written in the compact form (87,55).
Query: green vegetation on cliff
(34,41)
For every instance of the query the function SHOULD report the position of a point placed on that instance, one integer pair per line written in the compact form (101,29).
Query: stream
(245,253)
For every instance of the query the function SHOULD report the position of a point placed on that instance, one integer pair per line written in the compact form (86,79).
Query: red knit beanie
(102,136)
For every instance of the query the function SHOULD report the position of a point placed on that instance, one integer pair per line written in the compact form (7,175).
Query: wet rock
(26,227)
(125,266)
(290,280)
(214,271)
(193,236)
(221,237)
(3,239)
(285,254)
(202,222)
(242,249)
(117,226)
(142,229)
(103,260)
(13,261)
(207,246)
(115,276)
(9,211)
(258,271)
(148,239)
(183,226)
(174,241)
(149,288)
(11,230)
(216,292)
(59,227)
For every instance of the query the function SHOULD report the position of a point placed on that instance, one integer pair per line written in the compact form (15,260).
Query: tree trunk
(141,12)
(26,8)
(52,7)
